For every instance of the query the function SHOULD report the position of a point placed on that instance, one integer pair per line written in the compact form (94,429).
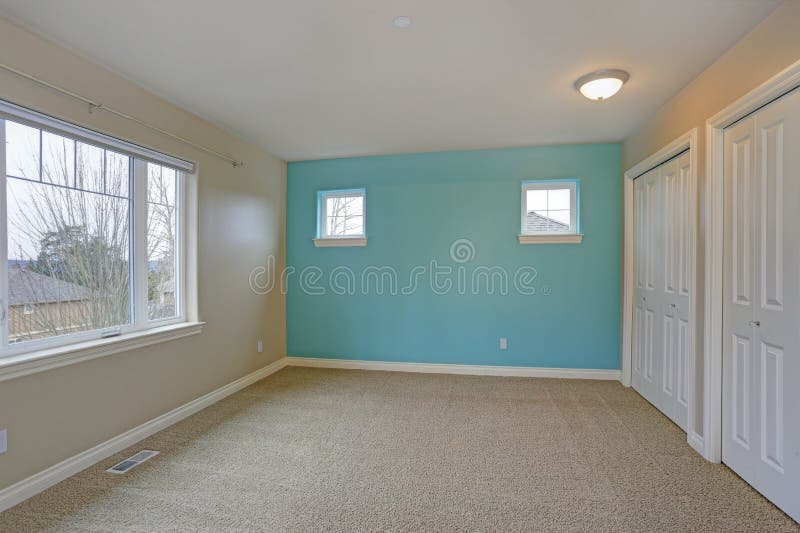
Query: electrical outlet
(503,343)
(3,440)
(260,346)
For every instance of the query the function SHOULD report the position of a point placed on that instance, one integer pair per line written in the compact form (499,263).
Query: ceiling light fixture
(402,22)
(601,84)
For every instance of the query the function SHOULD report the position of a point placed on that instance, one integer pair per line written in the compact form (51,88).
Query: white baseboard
(475,370)
(22,490)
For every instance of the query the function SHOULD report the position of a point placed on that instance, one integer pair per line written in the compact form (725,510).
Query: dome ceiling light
(601,84)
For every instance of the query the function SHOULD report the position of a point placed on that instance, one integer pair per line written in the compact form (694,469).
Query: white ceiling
(311,79)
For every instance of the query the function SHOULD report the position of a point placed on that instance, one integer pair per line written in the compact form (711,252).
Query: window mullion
(4,308)
(140,285)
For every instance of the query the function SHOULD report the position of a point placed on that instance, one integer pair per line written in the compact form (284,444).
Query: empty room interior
(350,265)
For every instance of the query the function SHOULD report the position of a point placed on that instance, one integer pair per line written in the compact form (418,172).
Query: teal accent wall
(418,205)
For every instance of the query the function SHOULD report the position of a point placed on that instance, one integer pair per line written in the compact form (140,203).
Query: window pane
(355,205)
(118,172)
(354,225)
(58,159)
(22,151)
(334,226)
(561,217)
(334,206)
(90,167)
(537,200)
(161,242)
(169,183)
(548,208)
(162,184)
(558,199)
(69,261)
(345,215)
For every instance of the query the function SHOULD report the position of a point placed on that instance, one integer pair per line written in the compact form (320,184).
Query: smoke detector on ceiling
(402,22)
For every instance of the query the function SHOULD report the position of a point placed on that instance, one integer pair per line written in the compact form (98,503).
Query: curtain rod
(98,106)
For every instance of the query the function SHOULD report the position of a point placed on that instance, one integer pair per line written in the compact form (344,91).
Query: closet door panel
(761,314)
(662,336)
(739,365)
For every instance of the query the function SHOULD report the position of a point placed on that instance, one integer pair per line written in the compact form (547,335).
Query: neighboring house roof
(19,263)
(26,287)
(536,223)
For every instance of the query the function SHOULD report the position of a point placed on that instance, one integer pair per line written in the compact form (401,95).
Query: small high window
(341,218)
(550,211)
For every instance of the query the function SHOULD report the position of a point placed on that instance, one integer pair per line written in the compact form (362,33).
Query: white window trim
(37,361)
(551,238)
(571,237)
(334,242)
(331,241)
(64,346)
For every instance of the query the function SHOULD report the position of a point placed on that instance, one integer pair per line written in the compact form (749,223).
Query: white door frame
(687,140)
(773,88)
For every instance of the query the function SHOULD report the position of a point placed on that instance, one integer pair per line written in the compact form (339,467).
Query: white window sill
(552,238)
(340,241)
(41,360)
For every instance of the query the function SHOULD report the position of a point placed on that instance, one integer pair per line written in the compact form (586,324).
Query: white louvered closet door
(662,345)
(761,301)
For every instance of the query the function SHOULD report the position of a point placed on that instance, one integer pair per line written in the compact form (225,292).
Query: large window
(90,237)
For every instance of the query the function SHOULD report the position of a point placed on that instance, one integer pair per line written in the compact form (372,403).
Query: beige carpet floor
(338,450)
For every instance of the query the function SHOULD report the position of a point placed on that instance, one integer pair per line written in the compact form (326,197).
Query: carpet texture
(340,450)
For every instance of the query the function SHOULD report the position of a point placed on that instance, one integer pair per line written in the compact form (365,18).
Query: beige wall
(771,47)
(55,414)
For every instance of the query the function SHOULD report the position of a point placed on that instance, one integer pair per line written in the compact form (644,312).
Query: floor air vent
(130,462)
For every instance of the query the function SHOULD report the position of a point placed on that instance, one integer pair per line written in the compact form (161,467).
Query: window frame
(139,324)
(142,320)
(574,234)
(325,240)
